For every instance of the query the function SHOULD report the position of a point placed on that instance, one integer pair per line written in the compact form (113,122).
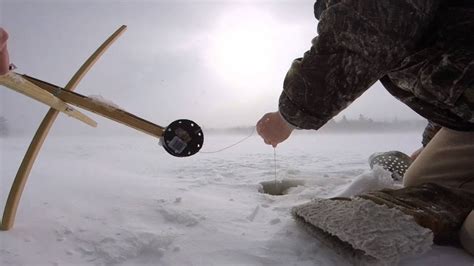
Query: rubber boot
(441,209)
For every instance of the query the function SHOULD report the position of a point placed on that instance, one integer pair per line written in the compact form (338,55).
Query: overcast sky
(220,63)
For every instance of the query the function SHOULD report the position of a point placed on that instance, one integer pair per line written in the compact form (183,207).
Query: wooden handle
(17,83)
(100,108)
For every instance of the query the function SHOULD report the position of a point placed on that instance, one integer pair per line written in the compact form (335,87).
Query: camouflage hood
(421,50)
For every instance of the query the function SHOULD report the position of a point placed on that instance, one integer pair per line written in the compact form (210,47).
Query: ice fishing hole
(279,187)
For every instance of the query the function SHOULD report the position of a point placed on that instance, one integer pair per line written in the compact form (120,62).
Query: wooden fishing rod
(181,138)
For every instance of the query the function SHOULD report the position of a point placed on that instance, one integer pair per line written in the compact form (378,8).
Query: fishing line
(242,140)
(275,162)
(232,145)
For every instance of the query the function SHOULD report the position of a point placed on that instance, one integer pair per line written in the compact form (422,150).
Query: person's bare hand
(4,59)
(273,128)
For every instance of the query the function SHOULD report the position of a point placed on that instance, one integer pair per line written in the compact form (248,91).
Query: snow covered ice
(94,200)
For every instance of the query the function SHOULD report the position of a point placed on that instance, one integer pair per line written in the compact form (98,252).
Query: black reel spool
(183,138)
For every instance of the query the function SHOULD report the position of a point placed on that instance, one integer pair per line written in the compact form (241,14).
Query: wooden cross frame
(181,138)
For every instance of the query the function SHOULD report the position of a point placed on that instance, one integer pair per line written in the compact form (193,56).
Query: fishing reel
(182,138)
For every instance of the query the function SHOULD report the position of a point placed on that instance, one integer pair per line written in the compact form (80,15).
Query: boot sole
(364,232)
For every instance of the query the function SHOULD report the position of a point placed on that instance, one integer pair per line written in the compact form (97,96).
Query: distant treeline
(363,124)
(344,125)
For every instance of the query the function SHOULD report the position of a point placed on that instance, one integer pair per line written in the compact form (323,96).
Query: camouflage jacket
(421,50)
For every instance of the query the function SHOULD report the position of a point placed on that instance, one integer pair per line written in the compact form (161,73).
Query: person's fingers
(259,129)
(3,38)
(4,61)
(268,128)
(261,125)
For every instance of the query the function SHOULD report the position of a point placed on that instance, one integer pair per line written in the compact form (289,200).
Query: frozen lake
(94,200)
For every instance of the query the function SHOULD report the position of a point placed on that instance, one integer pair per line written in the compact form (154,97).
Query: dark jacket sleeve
(430,131)
(358,42)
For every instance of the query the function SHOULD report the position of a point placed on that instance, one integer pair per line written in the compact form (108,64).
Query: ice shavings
(371,180)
